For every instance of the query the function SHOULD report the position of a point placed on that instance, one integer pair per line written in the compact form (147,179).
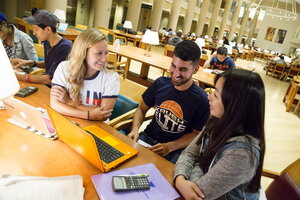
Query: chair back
(293,71)
(81,27)
(287,184)
(39,48)
(168,51)
(29,31)
(21,24)
(122,106)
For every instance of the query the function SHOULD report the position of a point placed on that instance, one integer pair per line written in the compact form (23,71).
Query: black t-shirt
(55,55)
(176,112)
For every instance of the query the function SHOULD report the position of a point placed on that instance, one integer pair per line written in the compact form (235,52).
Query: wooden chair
(39,48)
(21,24)
(293,71)
(290,95)
(113,64)
(80,27)
(279,69)
(168,51)
(270,67)
(203,59)
(286,185)
(29,31)
(126,89)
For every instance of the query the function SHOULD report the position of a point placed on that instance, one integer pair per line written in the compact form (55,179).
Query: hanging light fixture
(282,9)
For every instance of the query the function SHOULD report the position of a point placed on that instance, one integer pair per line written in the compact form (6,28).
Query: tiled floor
(282,128)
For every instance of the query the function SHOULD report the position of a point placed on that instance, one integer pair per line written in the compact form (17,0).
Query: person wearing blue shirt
(181,107)
(56,48)
(220,60)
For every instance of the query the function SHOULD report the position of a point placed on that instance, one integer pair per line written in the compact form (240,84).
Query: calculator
(130,182)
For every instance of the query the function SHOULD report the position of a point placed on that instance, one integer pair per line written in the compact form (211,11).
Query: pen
(143,175)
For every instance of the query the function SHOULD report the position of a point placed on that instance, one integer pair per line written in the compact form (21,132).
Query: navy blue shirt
(228,63)
(55,55)
(176,112)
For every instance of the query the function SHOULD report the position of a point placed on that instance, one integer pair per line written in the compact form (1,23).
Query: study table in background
(155,60)
(25,153)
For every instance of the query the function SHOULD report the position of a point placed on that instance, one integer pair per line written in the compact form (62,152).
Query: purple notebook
(160,188)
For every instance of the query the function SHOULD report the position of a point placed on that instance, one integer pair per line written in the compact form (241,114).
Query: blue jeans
(172,156)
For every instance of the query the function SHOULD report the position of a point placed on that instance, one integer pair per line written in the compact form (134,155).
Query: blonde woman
(81,86)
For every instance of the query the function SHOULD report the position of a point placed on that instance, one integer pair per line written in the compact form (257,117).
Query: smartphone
(26,91)
(124,183)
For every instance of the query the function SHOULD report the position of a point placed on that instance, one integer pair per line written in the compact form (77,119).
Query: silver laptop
(62,27)
(29,117)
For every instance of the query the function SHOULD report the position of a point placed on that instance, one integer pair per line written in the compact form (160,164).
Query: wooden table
(70,34)
(155,60)
(25,153)
(136,39)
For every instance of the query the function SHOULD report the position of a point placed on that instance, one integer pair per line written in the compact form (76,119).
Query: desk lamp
(60,14)
(127,25)
(200,42)
(9,84)
(150,37)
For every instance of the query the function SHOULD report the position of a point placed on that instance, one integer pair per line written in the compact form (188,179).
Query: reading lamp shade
(151,37)
(60,14)
(127,24)
(9,84)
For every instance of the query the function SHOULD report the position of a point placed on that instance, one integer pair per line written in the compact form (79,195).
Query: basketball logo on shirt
(169,116)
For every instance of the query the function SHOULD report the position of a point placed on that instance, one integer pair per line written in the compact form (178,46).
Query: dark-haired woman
(225,160)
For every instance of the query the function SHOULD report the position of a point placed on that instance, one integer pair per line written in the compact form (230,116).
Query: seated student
(17,44)
(220,60)
(181,106)
(56,48)
(175,40)
(281,60)
(82,86)
(225,160)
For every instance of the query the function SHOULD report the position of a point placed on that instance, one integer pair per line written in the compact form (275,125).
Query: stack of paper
(35,188)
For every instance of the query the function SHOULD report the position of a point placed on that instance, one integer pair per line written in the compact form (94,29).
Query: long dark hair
(243,97)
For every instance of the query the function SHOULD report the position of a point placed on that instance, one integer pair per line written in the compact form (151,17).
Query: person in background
(225,161)
(56,48)
(17,44)
(176,39)
(220,60)
(162,31)
(281,60)
(34,10)
(181,107)
(82,86)
(147,28)
(225,41)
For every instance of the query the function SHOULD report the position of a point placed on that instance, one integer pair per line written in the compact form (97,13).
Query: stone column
(119,14)
(235,19)
(175,10)
(225,18)
(189,14)
(214,17)
(252,28)
(156,13)
(102,13)
(244,22)
(133,12)
(202,17)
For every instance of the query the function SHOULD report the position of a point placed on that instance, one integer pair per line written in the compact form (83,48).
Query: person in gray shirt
(17,44)
(225,160)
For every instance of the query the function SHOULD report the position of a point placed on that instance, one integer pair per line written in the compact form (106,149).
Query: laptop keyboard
(107,152)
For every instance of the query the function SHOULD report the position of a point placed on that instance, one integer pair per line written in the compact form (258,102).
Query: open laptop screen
(62,27)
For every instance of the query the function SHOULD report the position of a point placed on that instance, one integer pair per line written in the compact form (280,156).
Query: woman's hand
(98,113)
(60,94)
(17,63)
(188,189)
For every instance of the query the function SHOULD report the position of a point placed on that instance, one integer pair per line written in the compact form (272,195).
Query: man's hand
(133,135)
(162,149)
(188,189)
(17,63)
(99,113)
(60,94)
